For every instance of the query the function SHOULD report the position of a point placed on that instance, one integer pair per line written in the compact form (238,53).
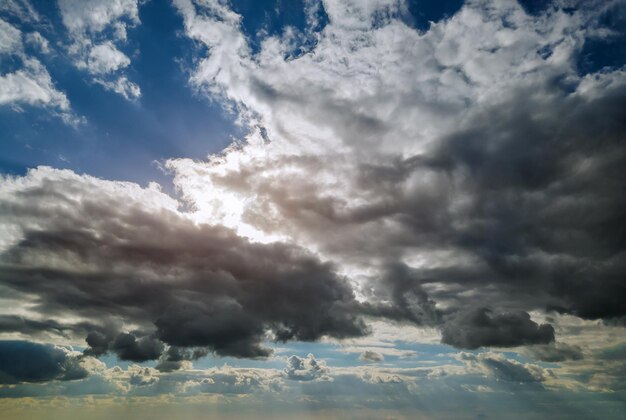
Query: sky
(312,209)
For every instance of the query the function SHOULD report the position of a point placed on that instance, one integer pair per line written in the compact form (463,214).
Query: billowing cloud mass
(481,168)
(467,178)
(121,257)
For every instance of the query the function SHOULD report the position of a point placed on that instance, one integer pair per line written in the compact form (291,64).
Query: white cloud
(38,41)
(10,38)
(93,16)
(122,86)
(97,30)
(105,58)
(32,85)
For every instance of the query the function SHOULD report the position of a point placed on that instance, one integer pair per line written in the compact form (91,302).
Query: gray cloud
(499,367)
(109,258)
(23,361)
(481,327)
(555,352)
(371,356)
(480,170)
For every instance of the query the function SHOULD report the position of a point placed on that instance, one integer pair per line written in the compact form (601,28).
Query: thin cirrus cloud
(465,179)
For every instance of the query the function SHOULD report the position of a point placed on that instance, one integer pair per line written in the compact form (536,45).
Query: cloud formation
(28,82)
(458,178)
(23,361)
(117,255)
(98,29)
(446,171)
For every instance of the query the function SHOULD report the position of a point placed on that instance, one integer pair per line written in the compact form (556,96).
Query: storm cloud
(109,259)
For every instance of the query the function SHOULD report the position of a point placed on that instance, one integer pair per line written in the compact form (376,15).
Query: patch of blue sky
(121,139)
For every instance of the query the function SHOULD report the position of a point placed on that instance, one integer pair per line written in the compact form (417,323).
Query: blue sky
(312,209)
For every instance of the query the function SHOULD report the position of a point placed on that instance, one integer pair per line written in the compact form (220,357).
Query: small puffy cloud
(105,58)
(305,368)
(371,357)
(23,361)
(97,29)
(32,85)
(94,16)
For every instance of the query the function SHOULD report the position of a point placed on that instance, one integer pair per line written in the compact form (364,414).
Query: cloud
(105,58)
(444,171)
(97,30)
(10,38)
(21,9)
(482,328)
(305,369)
(176,358)
(555,352)
(94,16)
(141,262)
(122,86)
(371,356)
(30,82)
(414,176)
(31,85)
(499,367)
(38,41)
(23,361)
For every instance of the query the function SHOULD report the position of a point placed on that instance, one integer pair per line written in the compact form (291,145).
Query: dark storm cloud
(23,361)
(172,359)
(109,259)
(481,327)
(540,225)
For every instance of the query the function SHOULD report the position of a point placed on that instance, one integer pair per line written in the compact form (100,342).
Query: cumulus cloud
(105,58)
(185,284)
(97,30)
(23,361)
(30,83)
(305,368)
(481,327)
(371,356)
(445,171)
